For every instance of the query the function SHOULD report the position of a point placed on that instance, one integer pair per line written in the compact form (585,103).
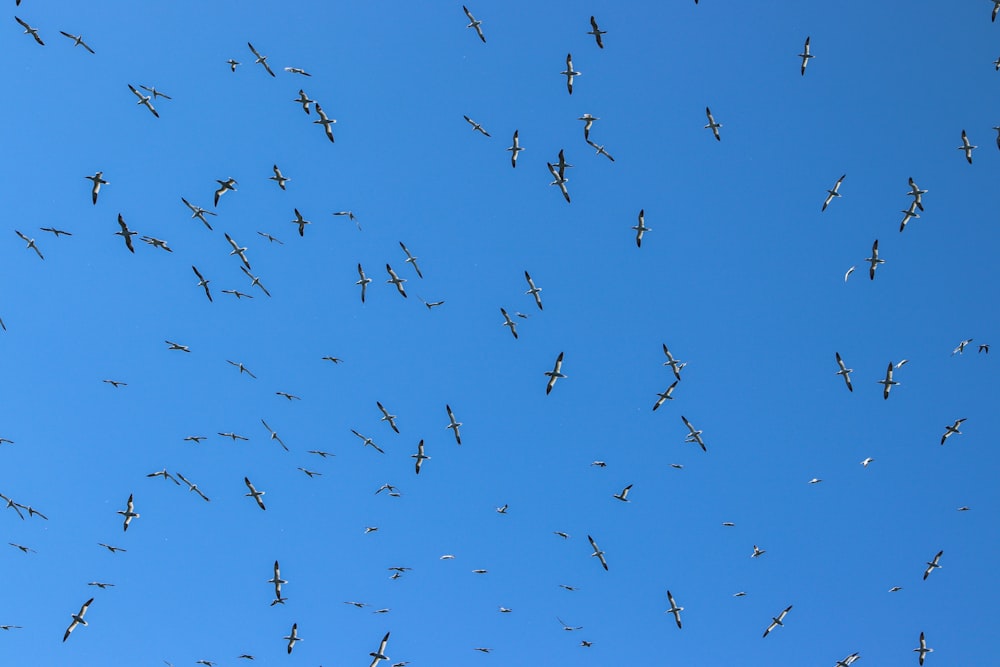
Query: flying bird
(597,32)
(31,244)
(569,73)
(274,435)
(129,513)
(849,272)
(198,212)
(177,346)
(301,222)
(674,609)
(396,280)
(111,549)
(665,396)
(297,70)
(476,127)
(410,259)
(224,187)
(261,60)
(554,374)
(961,347)
(363,281)
(641,228)
(254,493)
(568,628)
(922,650)
(597,552)
(623,496)
(271,239)
(304,100)
(712,125)
(757,552)
(967,147)
(97,180)
(600,151)
(777,620)
(115,383)
(368,442)
(144,100)
(57,232)
(873,261)
(588,122)
(155,93)
(675,365)
(514,150)
(478,25)
(560,180)
(830,194)
(156,243)
(232,64)
(917,194)
(386,417)
(419,456)
(238,294)
(277,581)
(952,430)
(453,424)
(805,55)
(293,637)
(78,619)
(254,280)
(844,371)
(933,564)
(507,322)
(888,382)
(77,40)
(380,653)
(243,369)
(28,30)
(237,250)
(278,177)
(325,121)
(694,435)
(350,216)
(193,487)
(996,8)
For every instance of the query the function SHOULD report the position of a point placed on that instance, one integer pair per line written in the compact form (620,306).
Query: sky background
(742,276)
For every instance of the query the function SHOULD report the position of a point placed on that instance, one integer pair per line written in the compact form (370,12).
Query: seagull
(193,487)
(474,24)
(225,186)
(560,180)
(297,70)
(31,244)
(129,513)
(534,291)
(386,417)
(196,211)
(514,150)
(363,281)
(568,628)
(351,217)
(278,177)
(922,649)
(232,64)
(777,620)
(600,150)
(873,261)
(410,259)
(933,564)
(304,100)
(274,435)
(301,222)
(805,55)
(255,280)
(254,493)
(757,553)
(144,99)
(641,228)
(597,32)
(476,127)
(98,180)
(569,73)
(396,280)
(967,147)
(665,396)
(262,60)
(277,581)
(155,93)
(849,272)
(597,552)
(115,383)
(961,347)
(694,435)
(952,430)
(888,382)
(907,214)
(243,369)
(237,250)
(554,374)
(156,243)
(675,365)
(28,30)
(293,637)
(380,653)
(111,549)
(368,442)
(453,424)
(325,121)
(844,371)
(674,609)
(419,456)
(833,193)
(165,475)
(507,322)
(77,617)
(623,496)
(712,125)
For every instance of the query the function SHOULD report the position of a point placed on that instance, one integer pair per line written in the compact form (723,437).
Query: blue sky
(741,275)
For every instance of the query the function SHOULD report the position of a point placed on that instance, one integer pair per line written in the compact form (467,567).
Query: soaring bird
(396,280)
(665,396)
(155,93)
(554,374)
(224,187)
(144,100)
(97,180)
(805,55)
(198,212)
(297,70)
(888,383)
(601,150)
(293,637)
(873,261)
(908,213)
(368,442)
(28,30)
(588,122)
(597,552)
(569,73)
(830,194)
(453,424)
(126,233)
(560,180)
(177,346)
(363,282)
(274,435)
(410,259)
(237,250)
(77,40)
(996,8)
(674,609)
(243,369)
(301,222)
(777,620)
(623,496)
(277,581)
(514,150)
(386,417)
(278,177)
(419,456)
(478,25)
(952,430)
(694,435)
(917,194)
(922,649)
(31,244)
(712,125)
(844,371)
(476,127)
(933,564)
(967,147)
(641,228)
(254,493)
(78,619)
(261,60)
(232,64)
(254,280)
(380,653)
(675,365)
(325,121)
(304,100)
(961,347)
(507,322)
(597,32)
(129,513)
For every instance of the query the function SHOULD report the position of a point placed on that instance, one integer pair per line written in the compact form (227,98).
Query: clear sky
(741,275)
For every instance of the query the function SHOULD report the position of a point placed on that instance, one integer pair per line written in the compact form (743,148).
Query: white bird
(301,222)
(844,371)
(911,212)
(380,653)
(597,552)
(777,620)
(830,194)
(144,99)
(224,187)
(77,40)
(805,55)
(261,60)
(386,417)
(278,177)
(419,456)
(569,73)
(277,581)
(967,147)
(350,215)
(588,122)
(196,211)
(952,430)
(623,496)
(560,180)
(597,32)
(568,628)
(641,228)
(243,369)
(933,564)
(396,280)
(675,365)
(28,30)
(363,281)
(304,100)
(368,442)
(922,649)
(453,424)
(476,127)
(410,259)
(78,619)
(554,374)
(129,513)
(888,383)
(474,24)
(97,180)
(533,291)
(507,322)
(867,461)
(254,280)
(849,272)
(873,261)
(712,125)
(297,70)
(961,347)
(31,244)
(325,121)
(694,435)
(916,193)
(237,250)
(665,396)
(254,493)
(293,637)
(232,64)
(177,346)
(674,609)
(757,552)
(274,435)
(600,151)
(514,150)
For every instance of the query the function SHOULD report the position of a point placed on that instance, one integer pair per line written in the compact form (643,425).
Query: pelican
(967,147)
(396,280)
(293,637)
(675,365)
(478,25)
(28,30)
(278,177)
(274,435)
(177,346)
(363,281)
(641,228)
(224,187)
(844,371)
(514,150)
(665,396)
(97,180)
(694,435)
(196,212)
(597,32)
(254,280)
(77,617)
(419,456)
(554,374)
(933,564)
(129,513)
(873,261)
(833,193)
(907,214)
(777,620)
(674,609)
(325,121)
(952,430)
(569,73)
(237,250)
(301,222)
(922,649)
(254,493)
(712,125)
(623,496)
(453,424)
(31,244)
(888,382)
(380,653)
(144,99)
(410,259)
(77,40)
(297,70)
(476,127)
(917,193)
(261,60)
(386,417)
(368,442)
(507,322)
(243,369)
(597,552)
(304,100)
(805,55)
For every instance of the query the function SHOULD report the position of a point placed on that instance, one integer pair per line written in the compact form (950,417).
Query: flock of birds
(149,96)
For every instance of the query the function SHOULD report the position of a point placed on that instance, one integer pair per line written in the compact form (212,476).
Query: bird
(238,294)
(254,280)
(379,654)
(473,23)
(597,32)
(554,374)
(232,64)
(865,463)
(111,549)
(917,194)
(325,121)
(350,216)
(597,552)
(156,243)
(873,261)
(757,552)
(505,610)
(271,239)
(31,244)
(712,125)
(952,430)
(694,435)
(243,369)
(224,187)
(482,649)
(960,349)
(129,513)
(967,147)
(277,581)
(623,496)
(453,424)
(507,322)
(77,40)
(293,637)
(368,442)
(78,619)
(573,588)
(28,30)
(261,60)
(396,280)
(386,417)
(922,650)
(844,371)
(410,259)
(675,365)
(193,487)
(297,70)
(257,495)
(641,228)
(144,100)
(419,456)
(500,510)
(588,122)
(274,435)
(674,609)
(665,396)
(290,397)
(777,620)
(533,291)
(833,193)
(560,180)
(933,564)
(101,584)
(155,93)
(164,474)
(561,534)
(363,281)
(97,180)
(233,436)
(569,73)
(56,232)
(23,548)
(237,250)
(584,643)
(115,383)
(601,150)
(311,473)
(895,589)
(278,177)
(304,100)
(996,8)
(476,127)
(888,382)
(805,55)
(514,149)
(599,464)
(815,480)
(568,628)
(301,222)
(197,212)
(320,453)
(849,272)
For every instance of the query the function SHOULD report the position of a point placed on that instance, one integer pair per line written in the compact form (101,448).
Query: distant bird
(665,396)
(675,365)
(28,30)
(278,177)
(144,100)
(597,32)
(271,239)
(100,584)
(129,513)
(478,25)
(961,347)
(304,100)
(254,280)
(984,347)
(301,222)
(293,637)
(243,369)
(507,322)
(623,496)
(111,549)
(560,180)
(386,417)
(757,552)
(97,180)
(237,250)
(325,121)
(254,493)
(777,620)
(115,383)
(334,360)
(805,55)
(922,650)
(502,509)
(274,435)
(156,243)
(514,149)
(453,424)
(224,187)
(600,151)
(196,439)
(815,480)
(483,649)
(31,244)
(873,261)
(22,548)
(311,473)
(712,125)
(996,8)
(56,232)
(569,73)
(599,464)
(674,609)
(533,291)
(155,93)
(573,588)
(380,653)
(419,456)
(368,442)
(641,228)
(561,534)
(233,436)
(845,372)
(410,259)
(933,564)
(888,383)
(320,453)
(833,193)
(693,435)
(597,552)
(568,628)
(588,122)
(277,581)
(297,70)
(77,40)
(77,617)
(193,487)
(952,430)
(867,462)
(849,272)
(198,212)
(917,193)
(290,397)
(894,589)
(967,147)
(165,475)
(232,64)
(554,374)
(476,127)
(584,643)
(261,60)
(363,281)
(396,280)
(238,294)
(350,216)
